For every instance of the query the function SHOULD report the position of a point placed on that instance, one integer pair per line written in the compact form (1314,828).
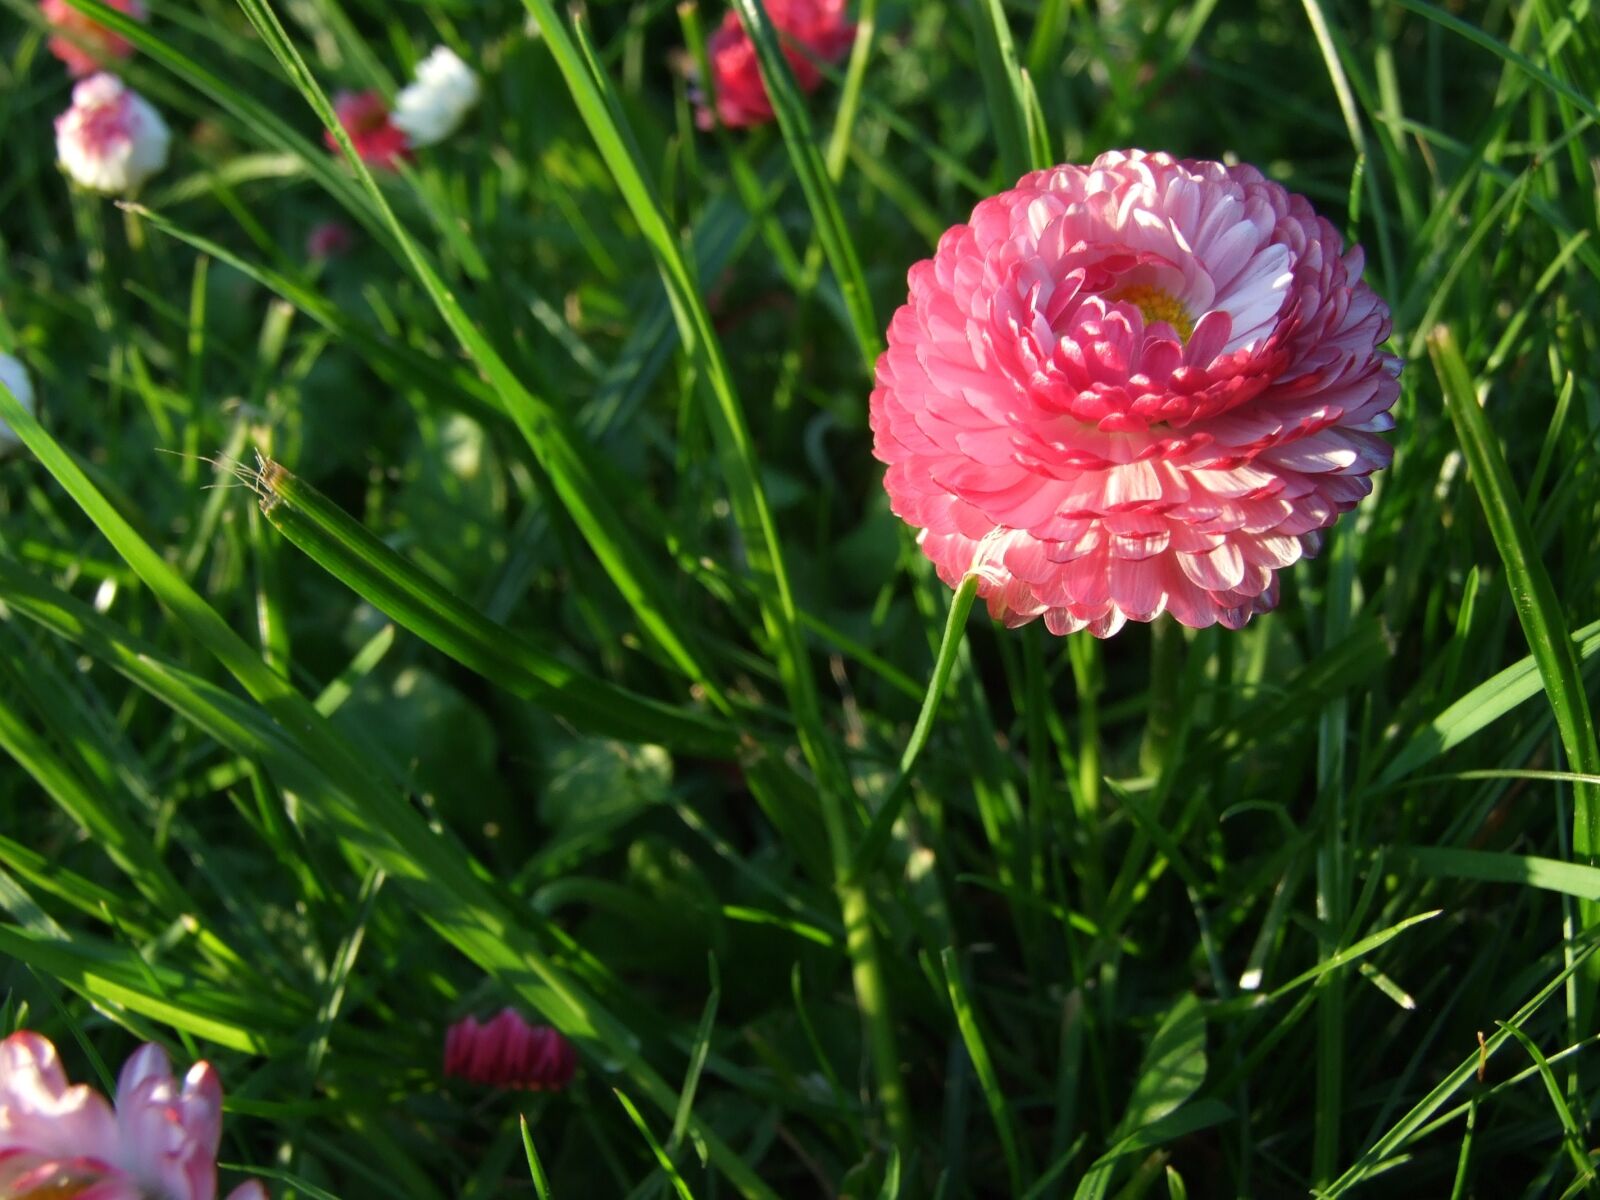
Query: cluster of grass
(578,664)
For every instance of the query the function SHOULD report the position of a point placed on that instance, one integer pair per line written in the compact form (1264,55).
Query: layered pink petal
(61,1140)
(1133,388)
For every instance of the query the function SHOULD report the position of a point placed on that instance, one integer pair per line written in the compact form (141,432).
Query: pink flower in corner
(365,118)
(59,1141)
(810,29)
(1139,387)
(81,42)
(508,1052)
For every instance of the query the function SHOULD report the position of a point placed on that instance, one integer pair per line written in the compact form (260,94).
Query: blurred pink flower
(365,118)
(809,29)
(59,1141)
(1136,387)
(329,239)
(111,139)
(81,42)
(508,1052)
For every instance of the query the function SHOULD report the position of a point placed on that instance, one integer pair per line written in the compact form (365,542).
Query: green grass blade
(668,1167)
(815,181)
(541,1182)
(348,551)
(988,1079)
(1004,90)
(1480,708)
(876,840)
(1533,593)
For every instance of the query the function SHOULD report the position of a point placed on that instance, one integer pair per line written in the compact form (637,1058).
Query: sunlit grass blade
(978,1051)
(541,1183)
(815,180)
(1006,91)
(876,839)
(1480,708)
(1490,866)
(345,549)
(668,1167)
(1538,607)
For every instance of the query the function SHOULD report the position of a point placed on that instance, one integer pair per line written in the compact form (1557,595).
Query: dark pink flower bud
(329,239)
(508,1052)
(810,30)
(365,118)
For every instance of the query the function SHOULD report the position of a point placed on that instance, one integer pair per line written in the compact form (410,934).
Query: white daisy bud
(432,108)
(15,377)
(111,140)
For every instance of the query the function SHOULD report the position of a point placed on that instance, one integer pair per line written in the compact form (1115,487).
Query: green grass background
(573,663)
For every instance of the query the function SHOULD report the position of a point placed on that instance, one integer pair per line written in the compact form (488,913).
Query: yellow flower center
(1157,305)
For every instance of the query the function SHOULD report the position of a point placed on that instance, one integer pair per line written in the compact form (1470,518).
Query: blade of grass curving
(544,426)
(1533,594)
(1491,866)
(1003,88)
(978,1052)
(351,553)
(1572,1137)
(668,1167)
(855,75)
(1498,48)
(1479,709)
(594,96)
(1327,43)
(870,851)
(119,976)
(541,1182)
(815,180)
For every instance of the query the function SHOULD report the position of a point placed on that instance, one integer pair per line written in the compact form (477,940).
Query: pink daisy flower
(59,1141)
(365,118)
(508,1052)
(81,42)
(1138,387)
(810,29)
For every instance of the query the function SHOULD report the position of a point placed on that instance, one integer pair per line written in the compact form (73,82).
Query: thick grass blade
(1005,91)
(983,1064)
(348,551)
(541,1183)
(1480,708)
(1490,866)
(876,840)
(1533,594)
(815,181)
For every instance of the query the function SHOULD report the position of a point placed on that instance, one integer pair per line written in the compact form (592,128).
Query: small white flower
(432,108)
(15,377)
(111,140)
